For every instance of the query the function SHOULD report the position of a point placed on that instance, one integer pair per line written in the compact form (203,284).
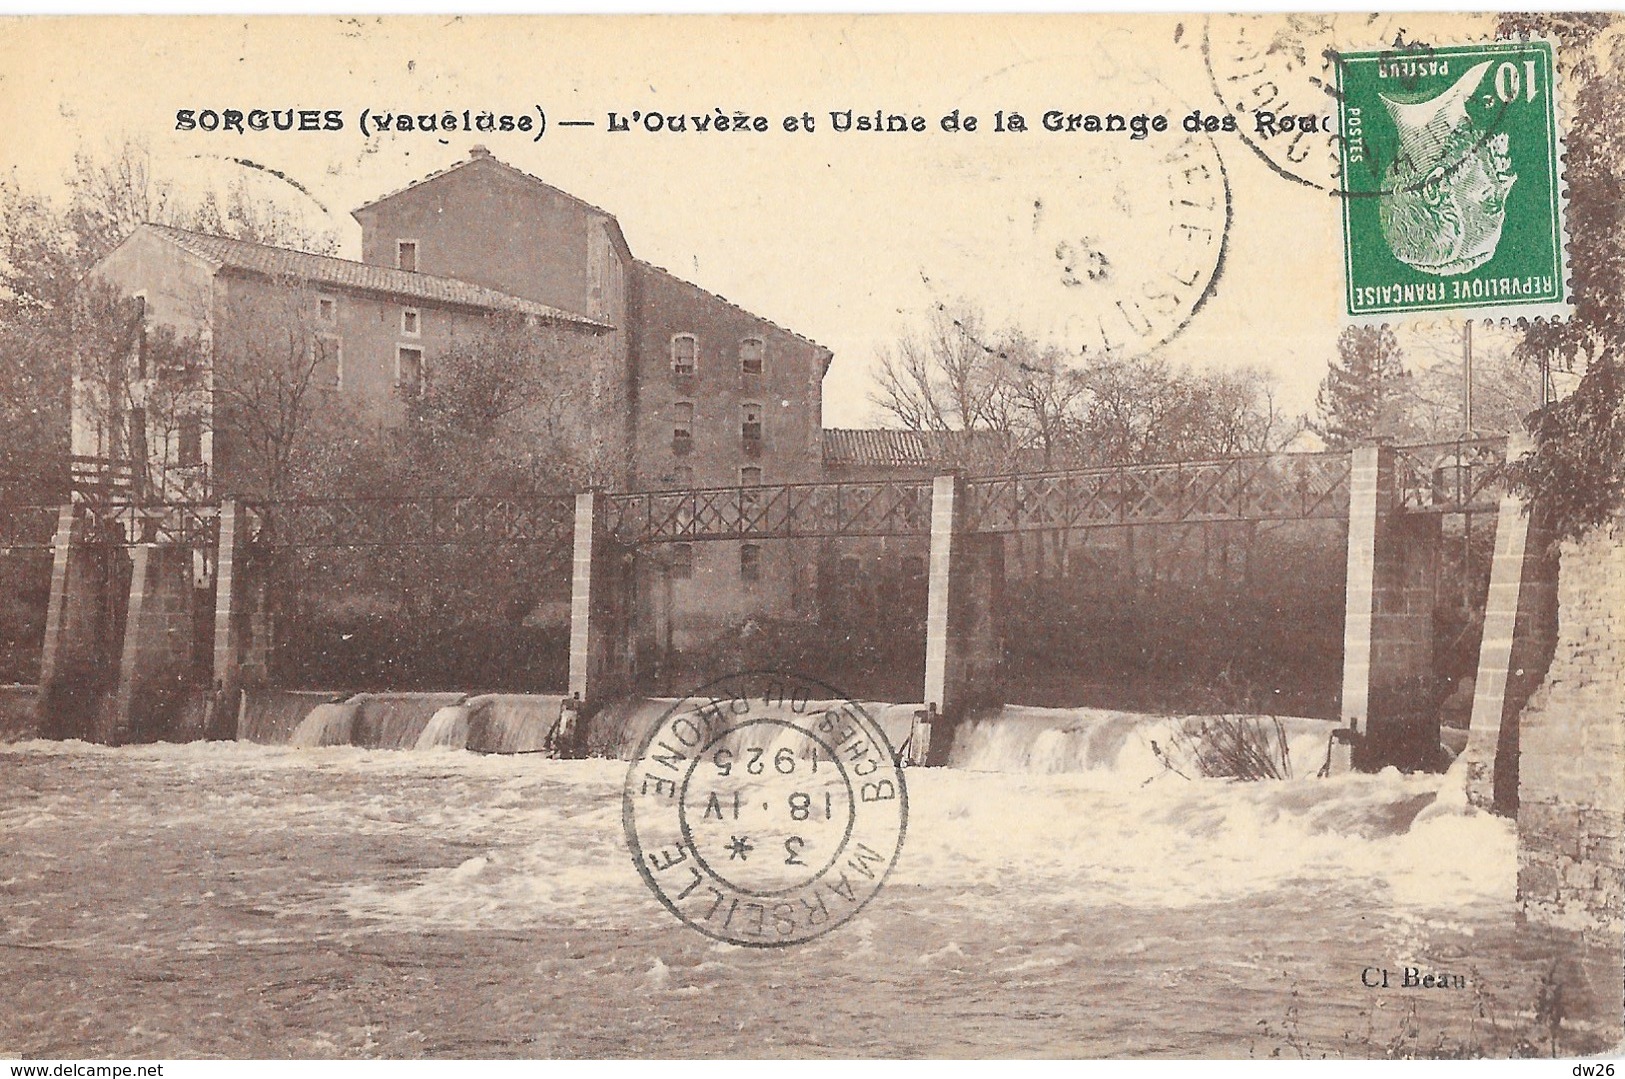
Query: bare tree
(279,429)
(946,379)
(1049,409)
(1506,386)
(114,193)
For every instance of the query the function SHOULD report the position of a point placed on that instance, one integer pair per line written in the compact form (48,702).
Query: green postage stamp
(1453,193)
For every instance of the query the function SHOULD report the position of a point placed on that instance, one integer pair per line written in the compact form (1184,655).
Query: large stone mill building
(688,390)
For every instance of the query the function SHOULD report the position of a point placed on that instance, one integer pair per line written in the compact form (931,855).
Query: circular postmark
(1270,69)
(1101,227)
(765,809)
(1277,76)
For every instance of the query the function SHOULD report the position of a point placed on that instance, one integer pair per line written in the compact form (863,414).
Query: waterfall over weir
(488,723)
(1115,747)
(1120,745)
(1042,741)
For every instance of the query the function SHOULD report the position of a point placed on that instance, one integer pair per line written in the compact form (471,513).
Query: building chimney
(477,152)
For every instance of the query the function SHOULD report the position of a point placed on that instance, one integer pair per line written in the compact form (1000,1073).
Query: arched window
(750,355)
(685,354)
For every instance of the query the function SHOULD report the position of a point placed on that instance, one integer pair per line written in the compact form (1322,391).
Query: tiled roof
(342,273)
(919,449)
(652,268)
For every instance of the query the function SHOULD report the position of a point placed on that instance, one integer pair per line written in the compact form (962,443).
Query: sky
(1191,246)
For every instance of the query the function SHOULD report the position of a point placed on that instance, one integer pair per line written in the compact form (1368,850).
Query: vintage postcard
(811,537)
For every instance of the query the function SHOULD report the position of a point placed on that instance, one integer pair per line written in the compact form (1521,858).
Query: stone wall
(1571,791)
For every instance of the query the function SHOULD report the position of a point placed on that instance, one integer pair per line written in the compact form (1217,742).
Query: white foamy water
(1065,905)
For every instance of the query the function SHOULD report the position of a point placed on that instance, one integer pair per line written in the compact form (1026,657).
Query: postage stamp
(1452,166)
(765,809)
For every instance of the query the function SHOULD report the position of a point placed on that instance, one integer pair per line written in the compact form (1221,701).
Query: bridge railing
(773,511)
(467,520)
(1460,476)
(1464,475)
(1283,486)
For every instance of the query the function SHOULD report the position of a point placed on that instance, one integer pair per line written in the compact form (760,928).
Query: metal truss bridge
(1463,476)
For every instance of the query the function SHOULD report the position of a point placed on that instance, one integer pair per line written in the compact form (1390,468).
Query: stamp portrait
(1452,165)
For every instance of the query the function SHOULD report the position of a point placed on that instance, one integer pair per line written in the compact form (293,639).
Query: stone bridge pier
(148,639)
(1388,694)
(84,629)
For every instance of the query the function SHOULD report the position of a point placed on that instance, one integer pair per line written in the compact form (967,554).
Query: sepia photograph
(812,537)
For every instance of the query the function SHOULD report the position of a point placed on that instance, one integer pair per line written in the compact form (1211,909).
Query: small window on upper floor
(685,354)
(682,476)
(406,255)
(682,419)
(750,476)
(327,309)
(750,356)
(750,422)
(411,322)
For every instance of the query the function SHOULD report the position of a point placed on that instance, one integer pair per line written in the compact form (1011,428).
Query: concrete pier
(964,642)
(599,641)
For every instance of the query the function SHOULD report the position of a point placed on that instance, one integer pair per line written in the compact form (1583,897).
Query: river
(1058,893)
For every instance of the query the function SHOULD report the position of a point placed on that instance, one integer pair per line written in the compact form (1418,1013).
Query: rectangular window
(406,255)
(685,354)
(750,356)
(411,322)
(750,476)
(750,424)
(327,309)
(750,562)
(682,561)
(409,370)
(189,450)
(328,360)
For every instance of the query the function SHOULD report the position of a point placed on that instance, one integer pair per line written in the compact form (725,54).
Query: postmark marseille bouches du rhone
(1453,189)
(765,809)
